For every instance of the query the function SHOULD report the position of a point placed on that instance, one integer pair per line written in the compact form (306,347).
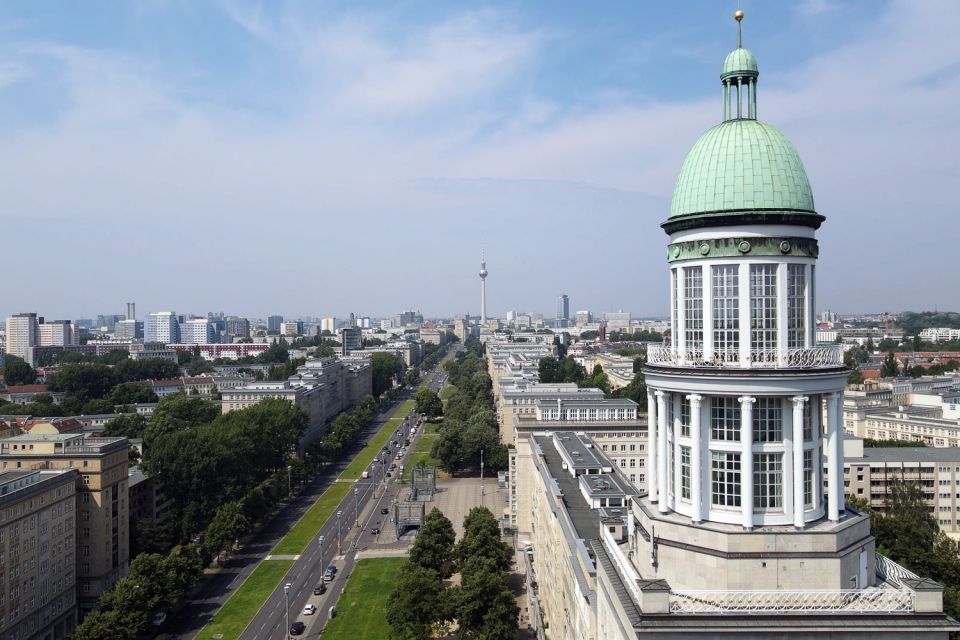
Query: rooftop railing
(847,601)
(818,357)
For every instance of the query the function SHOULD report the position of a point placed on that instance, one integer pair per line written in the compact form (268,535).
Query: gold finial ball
(738,16)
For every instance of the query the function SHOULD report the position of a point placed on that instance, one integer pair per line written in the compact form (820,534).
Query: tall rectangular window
(684,416)
(796,309)
(693,307)
(675,320)
(726,311)
(673,469)
(684,473)
(768,420)
(768,481)
(808,479)
(725,479)
(808,418)
(763,309)
(724,418)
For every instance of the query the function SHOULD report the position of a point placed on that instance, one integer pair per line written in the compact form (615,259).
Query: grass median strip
(362,609)
(307,527)
(374,444)
(234,616)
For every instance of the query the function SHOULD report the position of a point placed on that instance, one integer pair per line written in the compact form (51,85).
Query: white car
(310,609)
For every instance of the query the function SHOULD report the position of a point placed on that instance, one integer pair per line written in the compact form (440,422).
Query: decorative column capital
(836,396)
(694,399)
(659,394)
(747,400)
(799,400)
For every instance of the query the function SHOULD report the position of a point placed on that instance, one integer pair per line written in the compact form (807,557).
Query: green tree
(428,403)
(16,371)
(128,393)
(890,366)
(418,602)
(129,425)
(411,377)
(434,544)
(486,608)
(228,524)
(481,539)
(387,368)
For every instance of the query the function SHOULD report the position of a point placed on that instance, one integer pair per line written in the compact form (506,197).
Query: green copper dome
(739,62)
(741,164)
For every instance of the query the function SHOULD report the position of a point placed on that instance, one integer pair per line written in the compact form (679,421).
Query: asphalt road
(271,621)
(215,589)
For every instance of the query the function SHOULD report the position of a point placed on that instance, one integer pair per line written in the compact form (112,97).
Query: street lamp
(320,542)
(356,504)
(481,473)
(286,598)
(339,534)
(289,480)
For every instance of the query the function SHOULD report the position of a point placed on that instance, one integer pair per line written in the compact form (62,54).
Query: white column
(664,466)
(744,308)
(680,335)
(782,314)
(746,460)
(835,455)
(808,311)
(707,313)
(798,502)
(651,446)
(696,447)
(816,413)
(677,420)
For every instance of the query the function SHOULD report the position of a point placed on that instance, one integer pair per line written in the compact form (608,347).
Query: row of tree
(470,428)
(423,606)
(344,431)
(155,582)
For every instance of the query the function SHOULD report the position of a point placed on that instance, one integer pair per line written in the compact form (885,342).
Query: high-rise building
(108,322)
(328,323)
(128,330)
(102,522)
(273,324)
(351,339)
(584,318)
(237,327)
(57,333)
(745,517)
(617,320)
(483,289)
(131,311)
(39,595)
(22,333)
(198,331)
(291,328)
(563,307)
(161,326)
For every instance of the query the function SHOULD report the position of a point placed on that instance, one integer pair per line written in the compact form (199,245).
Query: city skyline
(426,124)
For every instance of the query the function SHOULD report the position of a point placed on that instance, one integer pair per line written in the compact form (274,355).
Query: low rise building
(25,393)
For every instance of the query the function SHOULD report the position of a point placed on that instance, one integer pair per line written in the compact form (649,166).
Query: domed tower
(744,406)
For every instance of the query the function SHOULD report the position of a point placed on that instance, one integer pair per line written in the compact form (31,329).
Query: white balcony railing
(818,357)
(854,601)
(893,572)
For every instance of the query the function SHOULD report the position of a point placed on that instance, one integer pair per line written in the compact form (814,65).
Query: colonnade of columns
(659,482)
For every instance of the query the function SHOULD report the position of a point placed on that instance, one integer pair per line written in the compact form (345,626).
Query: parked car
(159,618)
(297,628)
(375,531)
(384,511)
(388,474)
(310,609)
(320,589)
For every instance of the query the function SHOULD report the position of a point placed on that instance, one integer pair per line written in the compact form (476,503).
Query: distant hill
(913,323)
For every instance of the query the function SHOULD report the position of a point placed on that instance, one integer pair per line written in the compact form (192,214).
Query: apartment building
(161,326)
(56,333)
(22,333)
(38,581)
(102,522)
(869,474)
(619,369)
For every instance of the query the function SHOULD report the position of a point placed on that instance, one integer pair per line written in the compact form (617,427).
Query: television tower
(483,289)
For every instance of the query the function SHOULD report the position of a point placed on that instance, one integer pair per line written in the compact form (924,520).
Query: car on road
(320,589)
(384,511)
(159,618)
(388,474)
(310,609)
(375,531)
(297,628)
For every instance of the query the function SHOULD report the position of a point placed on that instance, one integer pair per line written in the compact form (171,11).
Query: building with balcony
(744,530)
(102,553)
(162,327)
(38,592)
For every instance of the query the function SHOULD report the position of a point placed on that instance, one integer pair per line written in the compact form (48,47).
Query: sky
(308,158)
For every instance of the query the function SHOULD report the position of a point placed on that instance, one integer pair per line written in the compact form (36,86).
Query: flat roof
(585,520)
(577,449)
(907,454)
